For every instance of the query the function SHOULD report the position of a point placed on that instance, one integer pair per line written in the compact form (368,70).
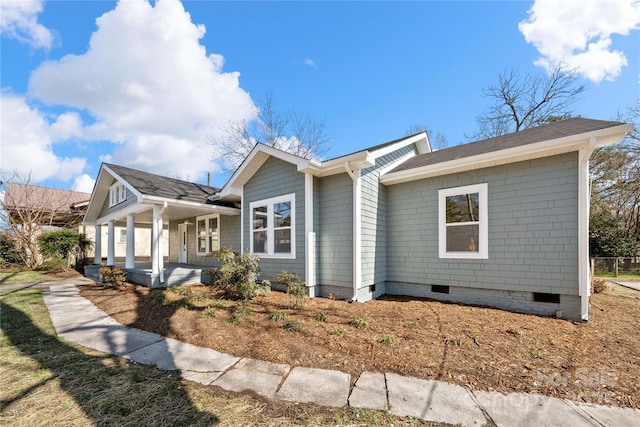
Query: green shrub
(387,339)
(113,275)
(237,275)
(295,288)
(278,316)
(321,316)
(9,253)
(53,265)
(360,321)
(209,312)
(292,325)
(64,244)
(156,297)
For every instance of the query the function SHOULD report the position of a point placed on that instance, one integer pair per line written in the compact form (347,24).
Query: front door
(182,243)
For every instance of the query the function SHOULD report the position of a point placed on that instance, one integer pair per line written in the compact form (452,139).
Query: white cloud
(310,63)
(83,183)
(19,20)
(150,86)
(578,33)
(27,144)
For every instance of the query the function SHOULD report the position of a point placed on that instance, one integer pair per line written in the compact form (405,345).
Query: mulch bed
(476,347)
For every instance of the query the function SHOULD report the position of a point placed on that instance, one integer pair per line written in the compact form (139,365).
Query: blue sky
(148,85)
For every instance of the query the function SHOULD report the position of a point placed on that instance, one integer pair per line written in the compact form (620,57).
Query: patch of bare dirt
(476,347)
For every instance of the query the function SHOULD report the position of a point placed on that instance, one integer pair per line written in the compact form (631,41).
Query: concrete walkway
(633,284)
(76,319)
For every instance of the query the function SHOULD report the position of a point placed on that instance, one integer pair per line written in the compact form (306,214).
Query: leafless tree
(295,132)
(437,140)
(521,101)
(28,210)
(615,174)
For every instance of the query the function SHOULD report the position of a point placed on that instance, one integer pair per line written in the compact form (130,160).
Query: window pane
(283,241)
(260,242)
(259,217)
(202,235)
(463,208)
(213,234)
(282,214)
(463,238)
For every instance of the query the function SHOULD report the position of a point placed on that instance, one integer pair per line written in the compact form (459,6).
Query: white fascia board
(113,216)
(359,160)
(252,163)
(100,193)
(415,139)
(213,208)
(552,147)
(123,181)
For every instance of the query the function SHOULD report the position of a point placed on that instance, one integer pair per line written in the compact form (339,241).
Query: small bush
(237,275)
(156,298)
(599,285)
(181,290)
(278,316)
(341,332)
(9,253)
(185,303)
(218,303)
(411,324)
(292,325)
(321,316)
(295,288)
(242,310)
(236,319)
(54,265)
(387,339)
(209,312)
(455,341)
(360,321)
(113,275)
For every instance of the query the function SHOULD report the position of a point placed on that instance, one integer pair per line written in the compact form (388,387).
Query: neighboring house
(51,208)
(501,222)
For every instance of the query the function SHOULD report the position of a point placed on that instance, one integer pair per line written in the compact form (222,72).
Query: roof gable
(554,138)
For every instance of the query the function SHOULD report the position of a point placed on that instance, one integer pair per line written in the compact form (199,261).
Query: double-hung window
(463,222)
(273,227)
(208,233)
(117,194)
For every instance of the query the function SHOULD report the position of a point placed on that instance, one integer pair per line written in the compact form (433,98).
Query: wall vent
(549,298)
(440,289)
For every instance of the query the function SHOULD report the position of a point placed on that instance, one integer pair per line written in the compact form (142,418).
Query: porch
(173,274)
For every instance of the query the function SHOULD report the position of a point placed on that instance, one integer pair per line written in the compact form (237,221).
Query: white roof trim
(607,136)
(359,160)
(123,181)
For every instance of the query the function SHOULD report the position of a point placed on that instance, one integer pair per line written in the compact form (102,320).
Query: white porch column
(97,258)
(130,260)
(111,246)
(157,259)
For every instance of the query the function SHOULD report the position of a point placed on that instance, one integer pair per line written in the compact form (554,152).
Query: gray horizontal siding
(533,229)
(277,178)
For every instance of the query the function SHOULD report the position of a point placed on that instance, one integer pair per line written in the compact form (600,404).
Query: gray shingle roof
(161,186)
(574,126)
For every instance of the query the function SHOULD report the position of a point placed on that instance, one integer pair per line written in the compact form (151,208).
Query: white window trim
(270,226)
(206,218)
(117,194)
(483,232)
(122,235)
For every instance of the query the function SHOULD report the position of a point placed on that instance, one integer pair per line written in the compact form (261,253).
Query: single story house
(501,222)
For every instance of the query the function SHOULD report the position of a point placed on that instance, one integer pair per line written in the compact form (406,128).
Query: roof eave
(604,137)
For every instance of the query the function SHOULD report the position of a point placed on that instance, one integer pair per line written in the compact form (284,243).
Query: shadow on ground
(108,389)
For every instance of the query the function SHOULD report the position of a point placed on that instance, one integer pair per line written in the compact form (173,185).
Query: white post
(111,247)
(97,258)
(155,242)
(130,260)
(310,241)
